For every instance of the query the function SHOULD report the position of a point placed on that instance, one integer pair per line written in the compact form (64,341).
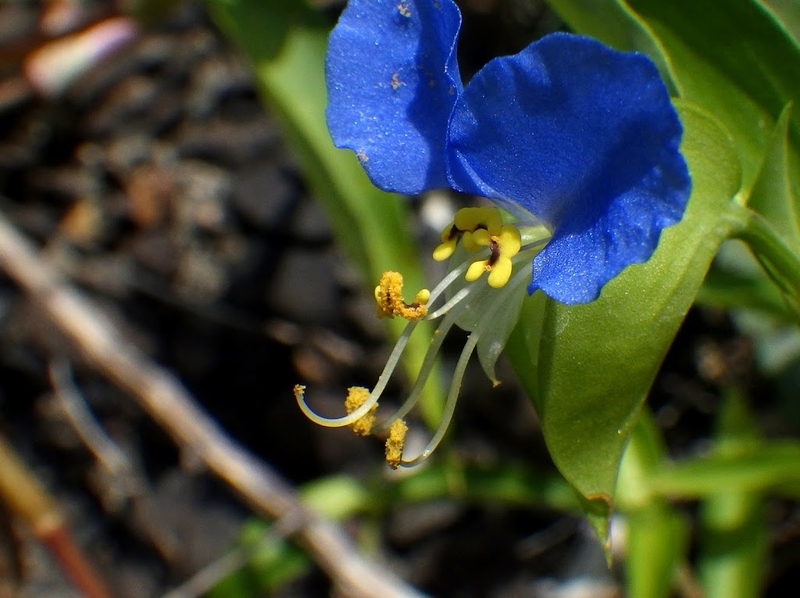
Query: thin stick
(202,581)
(108,454)
(125,481)
(26,498)
(172,407)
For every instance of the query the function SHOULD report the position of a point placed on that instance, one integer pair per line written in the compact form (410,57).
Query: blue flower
(577,141)
(570,132)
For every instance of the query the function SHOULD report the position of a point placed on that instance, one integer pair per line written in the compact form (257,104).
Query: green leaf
(266,562)
(286,43)
(732,534)
(787,13)
(775,256)
(724,289)
(510,484)
(588,368)
(762,468)
(615,24)
(336,497)
(657,534)
(657,542)
(773,199)
(737,62)
(772,195)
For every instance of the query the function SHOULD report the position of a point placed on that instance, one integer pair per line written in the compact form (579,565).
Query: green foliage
(773,196)
(787,13)
(588,368)
(738,63)
(735,72)
(773,467)
(742,65)
(735,62)
(268,561)
(658,536)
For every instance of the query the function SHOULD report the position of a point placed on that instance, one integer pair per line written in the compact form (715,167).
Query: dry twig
(108,454)
(169,404)
(25,497)
(123,483)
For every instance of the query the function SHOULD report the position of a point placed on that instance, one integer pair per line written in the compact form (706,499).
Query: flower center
(478,228)
(472,307)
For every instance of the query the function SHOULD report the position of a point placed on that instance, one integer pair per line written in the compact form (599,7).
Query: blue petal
(392,81)
(584,138)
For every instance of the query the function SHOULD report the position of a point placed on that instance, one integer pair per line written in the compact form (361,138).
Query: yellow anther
(422,297)
(474,226)
(445,249)
(509,240)
(473,241)
(357,396)
(476,269)
(500,273)
(395,443)
(472,219)
(503,246)
(389,297)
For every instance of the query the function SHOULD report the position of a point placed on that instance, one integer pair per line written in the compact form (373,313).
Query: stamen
(356,397)
(458,373)
(478,240)
(476,269)
(440,288)
(452,310)
(383,380)
(465,223)
(454,300)
(503,245)
(472,219)
(450,404)
(478,228)
(395,443)
(331,422)
(426,367)
(500,272)
(444,250)
(449,237)
(389,296)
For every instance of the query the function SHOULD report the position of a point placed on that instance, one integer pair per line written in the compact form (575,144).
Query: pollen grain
(395,443)
(389,297)
(357,396)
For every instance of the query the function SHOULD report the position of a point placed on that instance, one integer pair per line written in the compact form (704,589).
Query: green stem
(732,547)
(657,534)
(778,260)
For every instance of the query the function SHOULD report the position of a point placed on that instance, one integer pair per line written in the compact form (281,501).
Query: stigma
(485,310)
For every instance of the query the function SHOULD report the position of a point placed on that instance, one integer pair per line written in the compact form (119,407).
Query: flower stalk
(778,260)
